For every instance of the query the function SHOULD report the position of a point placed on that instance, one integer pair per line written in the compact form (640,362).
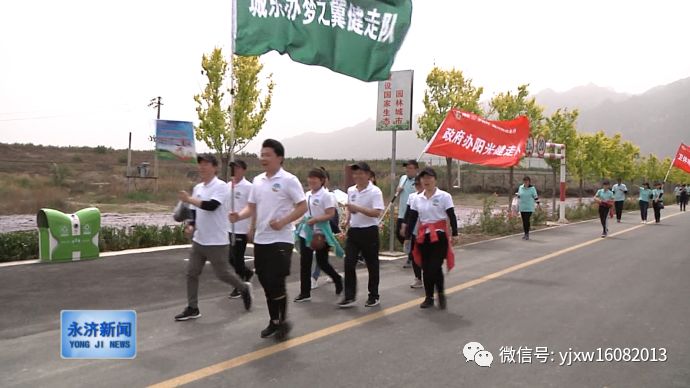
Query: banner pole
(668,172)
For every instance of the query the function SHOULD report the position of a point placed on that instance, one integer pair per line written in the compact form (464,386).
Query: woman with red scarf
(433,209)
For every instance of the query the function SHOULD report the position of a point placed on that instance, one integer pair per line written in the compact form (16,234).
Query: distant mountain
(361,141)
(657,121)
(582,97)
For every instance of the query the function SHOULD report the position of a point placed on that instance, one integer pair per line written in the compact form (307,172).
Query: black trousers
(644,207)
(683,202)
(366,242)
(236,256)
(619,209)
(272,265)
(410,257)
(657,211)
(398,225)
(525,221)
(603,215)
(433,255)
(306,259)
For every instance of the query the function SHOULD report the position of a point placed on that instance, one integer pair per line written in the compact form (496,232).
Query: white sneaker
(417,283)
(314,283)
(329,280)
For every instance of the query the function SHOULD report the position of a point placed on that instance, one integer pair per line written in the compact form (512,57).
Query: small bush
(24,245)
(101,149)
(76,159)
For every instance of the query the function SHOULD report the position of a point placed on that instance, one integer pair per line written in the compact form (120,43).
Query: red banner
(473,139)
(682,159)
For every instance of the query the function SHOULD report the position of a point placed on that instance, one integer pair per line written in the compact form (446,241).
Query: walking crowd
(275,214)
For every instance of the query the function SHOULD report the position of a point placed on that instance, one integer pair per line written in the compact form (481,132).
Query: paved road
(566,288)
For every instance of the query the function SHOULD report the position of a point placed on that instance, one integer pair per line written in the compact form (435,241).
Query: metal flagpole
(668,172)
(231,116)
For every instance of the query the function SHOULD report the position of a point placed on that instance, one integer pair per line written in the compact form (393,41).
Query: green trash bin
(68,237)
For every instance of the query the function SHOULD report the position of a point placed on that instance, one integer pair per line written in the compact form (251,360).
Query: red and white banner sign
(473,139)
(682,159)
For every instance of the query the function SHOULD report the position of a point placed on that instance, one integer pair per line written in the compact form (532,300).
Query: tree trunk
(449,174)
(582,192)
(553,195)
(510,187)
(224,160)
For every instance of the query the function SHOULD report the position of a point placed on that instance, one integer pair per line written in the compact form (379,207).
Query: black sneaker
(371,302)
(302,298)
(442,301)
(270,330)
(338,286)
(428,302)
(247,296)
(284,329)
(188,313)
(235,294)
(347,303)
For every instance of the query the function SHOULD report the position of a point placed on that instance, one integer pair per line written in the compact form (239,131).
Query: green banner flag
(358,38)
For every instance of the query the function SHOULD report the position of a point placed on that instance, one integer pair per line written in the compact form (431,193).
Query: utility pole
(156,104)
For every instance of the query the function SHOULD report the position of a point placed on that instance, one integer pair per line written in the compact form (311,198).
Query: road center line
(318,334)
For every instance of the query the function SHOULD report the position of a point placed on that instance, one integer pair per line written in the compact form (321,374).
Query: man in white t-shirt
(238,243)
(405,189)
(276,201)
(364,205)
(210,202)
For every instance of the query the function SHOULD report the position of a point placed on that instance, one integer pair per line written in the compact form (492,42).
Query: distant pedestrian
(435,212)
(527,201)
(676,193)
(619,192)
(416,269)
(209,227)
(404,190)
(684,196)
(645,198)
(658,201)
(604,197)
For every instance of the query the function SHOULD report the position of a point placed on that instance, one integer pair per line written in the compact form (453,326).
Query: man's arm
(296,213)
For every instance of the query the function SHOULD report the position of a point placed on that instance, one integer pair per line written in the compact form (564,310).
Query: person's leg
(195,266)
(415,268)
(525,222)
(351,253)
(262,259)
(216,255)
(441,249)
(657,212)
(306,258)
(645,211)
(641,204)
(322,262)
(428,273)
(398,225)
(284,256)
(370,251)
(239,249)
(619,210)
(603,214)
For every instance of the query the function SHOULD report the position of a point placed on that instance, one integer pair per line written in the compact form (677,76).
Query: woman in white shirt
(316,226)
(431,211)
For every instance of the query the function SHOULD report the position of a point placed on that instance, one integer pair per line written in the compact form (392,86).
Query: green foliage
(101,149)
(18,246)
(217,117)
(446,89)
(59,173)
(139,196)
(24,245)
(507,106)
(583,211)
(497,222)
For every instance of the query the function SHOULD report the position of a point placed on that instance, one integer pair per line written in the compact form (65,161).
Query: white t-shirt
(317,204)
(211,226)
(371,197)
(242,190)
(432,209)
(275,198)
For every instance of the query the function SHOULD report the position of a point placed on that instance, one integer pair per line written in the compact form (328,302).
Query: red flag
(468,137)
(682,159)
